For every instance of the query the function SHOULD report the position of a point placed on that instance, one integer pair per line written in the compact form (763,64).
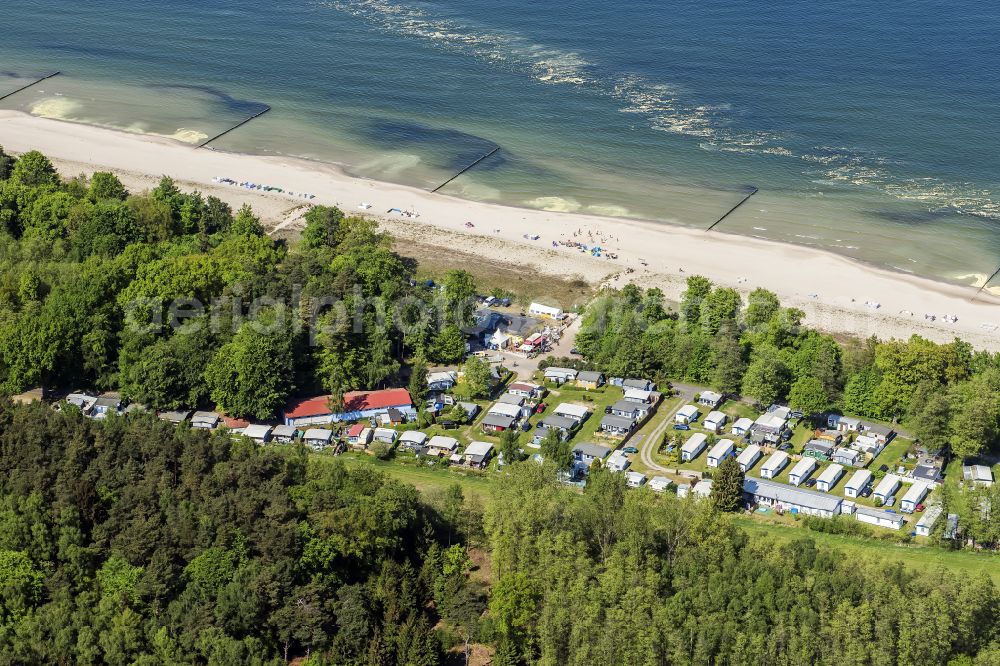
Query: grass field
(917,557)
(432,478)
(423,477)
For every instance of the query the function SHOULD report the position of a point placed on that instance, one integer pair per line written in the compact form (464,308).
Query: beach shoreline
(837,294)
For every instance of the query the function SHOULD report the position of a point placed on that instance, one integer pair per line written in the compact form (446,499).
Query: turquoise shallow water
(868,129)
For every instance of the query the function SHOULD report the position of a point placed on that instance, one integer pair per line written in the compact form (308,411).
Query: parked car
(681,426)
(448,424)
(575,352)
(810,483)
(539,408)
(867,492)
(608,410)
(525,426)
(890,502)
(630,449)
(786,435)
(883,468)
(920,507)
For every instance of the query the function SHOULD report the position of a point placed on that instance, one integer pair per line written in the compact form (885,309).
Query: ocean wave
(543,63)
(555,204)
(57,108)
(669,108)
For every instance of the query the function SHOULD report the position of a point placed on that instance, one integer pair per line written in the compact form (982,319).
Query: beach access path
(835,293)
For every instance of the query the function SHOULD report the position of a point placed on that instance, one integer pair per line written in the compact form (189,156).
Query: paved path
(651,442)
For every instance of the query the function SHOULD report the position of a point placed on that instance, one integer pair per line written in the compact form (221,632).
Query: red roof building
(357,404)
(356,430)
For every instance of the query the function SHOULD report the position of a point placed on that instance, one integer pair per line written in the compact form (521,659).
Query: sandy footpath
(837,294)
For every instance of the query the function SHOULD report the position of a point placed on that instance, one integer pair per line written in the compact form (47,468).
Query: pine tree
(727,486)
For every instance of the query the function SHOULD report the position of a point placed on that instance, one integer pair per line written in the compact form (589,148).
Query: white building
(926,522)
(693,447)
(618,462)
(638,395)
(789,498)
(412,439)
(505,409)
(741,426)
(440,445)
(978,474)
(703,488)
(686,414)
(914,496)
(714,421)
(318,438)
(710,399)
(878,517)
(539,310)
(659,483)
(634,479)
(477,454)
(829,477)
(386,435)
(749,457)
(578,413)
(802,471)
(441,381)
(722,450)
(773,465)
(284,434)
(258,433)
(869,445)
(887,487)
(560,375)
(857,483)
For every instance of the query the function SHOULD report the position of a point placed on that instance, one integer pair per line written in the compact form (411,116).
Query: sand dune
(837,294)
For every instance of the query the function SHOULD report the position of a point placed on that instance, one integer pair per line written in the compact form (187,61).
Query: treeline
(94,282)
(130,542)
(625,577)
(946,394)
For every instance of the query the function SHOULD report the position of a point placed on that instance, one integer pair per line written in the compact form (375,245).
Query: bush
(381,450)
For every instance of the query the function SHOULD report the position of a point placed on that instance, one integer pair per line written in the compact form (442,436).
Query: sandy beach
(837,294)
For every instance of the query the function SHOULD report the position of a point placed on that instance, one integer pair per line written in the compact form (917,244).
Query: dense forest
(129,541)
(176,301)
(132,542)
(947,395)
